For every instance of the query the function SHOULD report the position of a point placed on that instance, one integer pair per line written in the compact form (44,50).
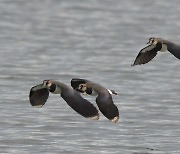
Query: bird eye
(81,86)
(151,40)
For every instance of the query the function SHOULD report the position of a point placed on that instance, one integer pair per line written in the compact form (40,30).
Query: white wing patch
(94,117)
(115,119)
(112,92)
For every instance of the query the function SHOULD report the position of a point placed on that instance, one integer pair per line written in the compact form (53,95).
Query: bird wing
(107,106)
(79,104)
(38,95)
(174,49)
(147,54)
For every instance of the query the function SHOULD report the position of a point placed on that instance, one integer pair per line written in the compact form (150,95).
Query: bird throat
(54,89)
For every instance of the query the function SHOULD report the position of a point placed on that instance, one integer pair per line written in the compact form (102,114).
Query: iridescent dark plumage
(40,93)
(104,99)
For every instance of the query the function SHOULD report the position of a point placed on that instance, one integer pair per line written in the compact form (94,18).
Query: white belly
(164,48)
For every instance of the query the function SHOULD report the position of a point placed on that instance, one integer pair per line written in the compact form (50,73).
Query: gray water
(96,40)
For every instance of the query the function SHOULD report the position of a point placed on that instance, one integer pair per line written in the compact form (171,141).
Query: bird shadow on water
(148,151)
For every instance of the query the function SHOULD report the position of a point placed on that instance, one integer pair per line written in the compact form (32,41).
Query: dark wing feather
(38,95)
(107,107)
(147,54)
(79,104)
(174,49)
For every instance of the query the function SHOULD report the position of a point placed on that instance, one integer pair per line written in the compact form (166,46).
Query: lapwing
(156,44)
(104,99)
(39,94)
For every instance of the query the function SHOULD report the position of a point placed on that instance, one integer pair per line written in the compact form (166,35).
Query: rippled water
(96,40)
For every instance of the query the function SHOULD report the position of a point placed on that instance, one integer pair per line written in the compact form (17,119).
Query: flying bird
(104,99)
(39,94)
(156,44)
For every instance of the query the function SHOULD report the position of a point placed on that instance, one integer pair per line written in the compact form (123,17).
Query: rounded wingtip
(96,117)
(38,95)
(115,119)
(37,106)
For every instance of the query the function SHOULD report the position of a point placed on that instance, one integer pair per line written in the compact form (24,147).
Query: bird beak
(148,42)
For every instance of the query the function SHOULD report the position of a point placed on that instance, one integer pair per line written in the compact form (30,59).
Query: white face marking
(155,42)
(47,83)
(152,41)
(44,82)
(82,87)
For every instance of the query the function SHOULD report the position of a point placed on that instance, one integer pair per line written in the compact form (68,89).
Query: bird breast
(164,48)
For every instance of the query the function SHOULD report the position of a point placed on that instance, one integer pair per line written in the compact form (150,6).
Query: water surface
(96,40)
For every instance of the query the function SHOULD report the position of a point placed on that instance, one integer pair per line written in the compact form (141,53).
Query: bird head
(81,86)
(49,85)
(152,40)
(155,40)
